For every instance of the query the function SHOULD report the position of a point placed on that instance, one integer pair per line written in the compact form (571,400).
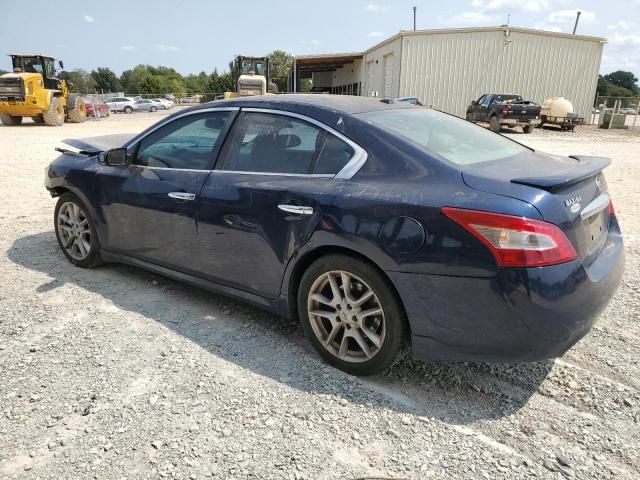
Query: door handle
(182,195)
(296,209)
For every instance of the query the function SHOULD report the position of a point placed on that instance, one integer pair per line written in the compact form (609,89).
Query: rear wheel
(76,233)
(153,109)
(527,128)
(352,316)
(54,115)
(10,120)
(128,109)
(494,125)
(76,110)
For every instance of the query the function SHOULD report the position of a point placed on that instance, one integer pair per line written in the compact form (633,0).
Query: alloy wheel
(346,316)
(74,231)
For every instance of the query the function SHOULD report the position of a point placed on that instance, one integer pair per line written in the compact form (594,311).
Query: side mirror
(116,157)
(61,64)
(474,102)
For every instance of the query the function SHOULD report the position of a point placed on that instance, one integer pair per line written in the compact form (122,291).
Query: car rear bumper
(521,314)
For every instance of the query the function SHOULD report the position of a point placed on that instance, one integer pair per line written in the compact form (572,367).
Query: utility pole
(414,18)
(575,27)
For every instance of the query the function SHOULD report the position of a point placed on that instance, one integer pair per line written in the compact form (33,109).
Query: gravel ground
(119,373)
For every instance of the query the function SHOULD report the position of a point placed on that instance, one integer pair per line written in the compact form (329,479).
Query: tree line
(618,84)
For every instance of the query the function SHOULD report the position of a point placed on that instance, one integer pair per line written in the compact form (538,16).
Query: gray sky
(200,35)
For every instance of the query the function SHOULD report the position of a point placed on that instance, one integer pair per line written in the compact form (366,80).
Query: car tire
(76,233)
(527,128)
(153,109)
(494,124)
(76,109)
(10,120)
(128,109)
(385,335)
(54,115)
(469,117)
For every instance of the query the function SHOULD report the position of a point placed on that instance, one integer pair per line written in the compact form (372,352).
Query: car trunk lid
(570,192)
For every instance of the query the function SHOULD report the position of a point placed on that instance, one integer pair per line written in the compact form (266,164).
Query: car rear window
(456,140)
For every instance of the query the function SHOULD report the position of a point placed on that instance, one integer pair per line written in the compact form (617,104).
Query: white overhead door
(371,87)
(388,76)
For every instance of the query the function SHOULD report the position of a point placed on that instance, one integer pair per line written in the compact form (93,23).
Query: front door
(273,182)
(149,207)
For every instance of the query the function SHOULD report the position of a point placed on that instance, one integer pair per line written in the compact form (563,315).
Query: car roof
(347,104)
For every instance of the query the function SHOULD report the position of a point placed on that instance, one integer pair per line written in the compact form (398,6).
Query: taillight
(515,241)
(612,211)
(505,111)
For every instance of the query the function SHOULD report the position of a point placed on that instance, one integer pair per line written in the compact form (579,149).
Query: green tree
(280,62)
(220,82)
(2,72)
(79,81)
(626,80)
(105,80)
(305,85)
(176,87)
(151,84)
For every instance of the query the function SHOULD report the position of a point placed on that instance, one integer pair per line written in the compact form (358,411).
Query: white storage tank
(558,107)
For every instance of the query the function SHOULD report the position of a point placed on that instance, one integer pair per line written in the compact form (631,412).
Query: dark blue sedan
(382,226)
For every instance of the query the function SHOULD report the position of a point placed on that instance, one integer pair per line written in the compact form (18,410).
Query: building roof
(331,61)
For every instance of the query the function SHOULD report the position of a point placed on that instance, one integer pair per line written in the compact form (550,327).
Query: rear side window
(185,143)
(272,143)
(456,140)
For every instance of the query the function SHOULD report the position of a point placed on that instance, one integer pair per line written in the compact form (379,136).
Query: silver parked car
(148,105)
(121,104)
(164,103)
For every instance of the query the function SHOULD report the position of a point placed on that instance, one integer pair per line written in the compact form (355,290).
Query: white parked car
(165,104)
(121,104)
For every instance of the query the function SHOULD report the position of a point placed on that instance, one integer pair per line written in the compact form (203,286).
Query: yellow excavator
(252,76)
(33,90)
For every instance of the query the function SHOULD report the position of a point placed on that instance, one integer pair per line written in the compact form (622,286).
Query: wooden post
(636,116)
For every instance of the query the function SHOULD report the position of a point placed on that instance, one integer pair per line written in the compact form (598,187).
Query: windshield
(29,64)
(452,138)
(259,67)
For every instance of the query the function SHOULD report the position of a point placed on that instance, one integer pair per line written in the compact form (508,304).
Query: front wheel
(469,117)
(128,109)
(76,232)
(10,120)
(153,109)
(527,128)
(352,316)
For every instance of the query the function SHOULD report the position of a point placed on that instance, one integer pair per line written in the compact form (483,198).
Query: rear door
(276,176)
(482,113)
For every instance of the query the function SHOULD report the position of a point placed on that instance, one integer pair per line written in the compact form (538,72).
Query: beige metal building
(449,68)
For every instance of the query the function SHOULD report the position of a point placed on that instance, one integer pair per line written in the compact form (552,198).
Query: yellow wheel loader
(32,90)
(252,76)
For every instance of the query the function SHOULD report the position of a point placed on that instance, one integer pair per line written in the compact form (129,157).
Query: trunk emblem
(598,182)
(573,204)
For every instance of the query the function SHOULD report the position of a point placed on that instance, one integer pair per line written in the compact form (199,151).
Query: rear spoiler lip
(587,167)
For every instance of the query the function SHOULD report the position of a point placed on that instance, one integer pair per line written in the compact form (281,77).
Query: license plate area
(595,228)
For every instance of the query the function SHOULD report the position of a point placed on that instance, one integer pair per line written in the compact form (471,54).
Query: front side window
(271,143)
(485,100)
(449,137)
(185,143)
